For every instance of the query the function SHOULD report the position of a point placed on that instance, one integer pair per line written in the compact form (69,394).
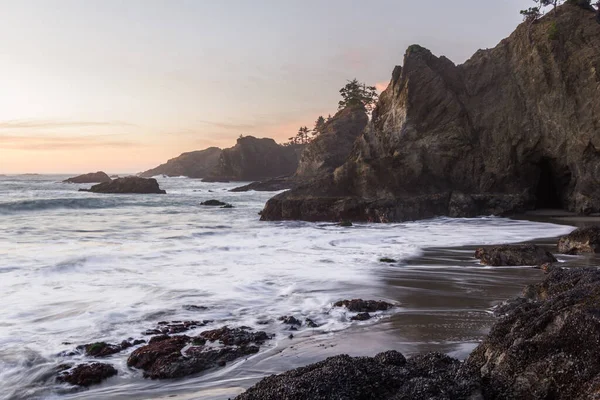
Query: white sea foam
(80,267)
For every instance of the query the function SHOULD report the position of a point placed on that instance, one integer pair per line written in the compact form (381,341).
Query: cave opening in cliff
(551,187)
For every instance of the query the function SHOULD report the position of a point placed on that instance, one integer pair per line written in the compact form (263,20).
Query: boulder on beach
(582,240)
(87,374)
(130,184)
(92,177)
(546,346)
(514,255)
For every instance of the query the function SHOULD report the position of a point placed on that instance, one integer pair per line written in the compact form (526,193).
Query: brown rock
(514,255)
(364,306)
(195,164)
(87,374)
(130,184)
(583,240)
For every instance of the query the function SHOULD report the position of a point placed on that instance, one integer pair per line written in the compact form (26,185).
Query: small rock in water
(361,317)
(387,260)
(345,223)
(290,320)
(165,327)
(310,323)
(213,203)
(87,374)
(228,206)
(363,306)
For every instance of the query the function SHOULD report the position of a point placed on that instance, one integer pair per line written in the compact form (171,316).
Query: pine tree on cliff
(319,125)
(355,93)
(302,135)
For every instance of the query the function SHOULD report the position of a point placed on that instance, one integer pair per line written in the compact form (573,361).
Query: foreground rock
(514,255)
(87,374)
(164,356)
(386,376)
(92,177)
(474,139)
(546,345)
(195,164)
(130,184)
(583,240)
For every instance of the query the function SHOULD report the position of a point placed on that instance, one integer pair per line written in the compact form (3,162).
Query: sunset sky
(124,85)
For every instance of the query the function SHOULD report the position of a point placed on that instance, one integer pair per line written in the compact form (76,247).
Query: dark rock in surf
(127,185)
(582,240)
(387,376)
(514,255)
(345,223)
(92,177)
(364,306)
(228,206)
(361,317)
(213,203)
(173,327)
(290,320)
(87,374)
(310,323)
(100,349)
(387,260)
(162,358)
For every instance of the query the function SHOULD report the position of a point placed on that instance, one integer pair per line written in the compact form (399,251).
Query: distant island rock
(92,177)
(130,184)
(253,159)
(514,128)
(195,164)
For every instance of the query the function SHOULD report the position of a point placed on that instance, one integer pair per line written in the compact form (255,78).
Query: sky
(124,85)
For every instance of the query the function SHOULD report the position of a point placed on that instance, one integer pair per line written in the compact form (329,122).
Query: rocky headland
(514,128)
(195,164)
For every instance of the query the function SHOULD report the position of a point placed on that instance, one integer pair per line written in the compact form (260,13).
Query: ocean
(78,267)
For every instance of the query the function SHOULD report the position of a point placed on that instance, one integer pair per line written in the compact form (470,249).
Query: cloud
(53,124)
(50,143)
(381,86)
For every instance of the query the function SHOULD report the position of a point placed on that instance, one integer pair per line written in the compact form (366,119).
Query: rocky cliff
(516,127)
(195,164)
(253,159)
(331,148)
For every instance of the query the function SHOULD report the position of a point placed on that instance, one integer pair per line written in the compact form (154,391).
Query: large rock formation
(92,177)
(253,159)
(515,127)
(130,184)
(195,164)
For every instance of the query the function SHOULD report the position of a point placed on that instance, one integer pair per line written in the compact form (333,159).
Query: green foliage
(319,126)
(356,93)
(553,31)
(531,14)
